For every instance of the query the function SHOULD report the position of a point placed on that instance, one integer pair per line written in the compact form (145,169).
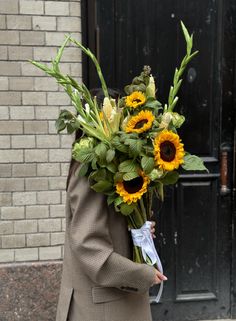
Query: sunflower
(168,150)
(131,191)
(137,98)
(140,123)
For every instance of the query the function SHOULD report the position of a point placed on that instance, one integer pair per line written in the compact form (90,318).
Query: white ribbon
(142,237)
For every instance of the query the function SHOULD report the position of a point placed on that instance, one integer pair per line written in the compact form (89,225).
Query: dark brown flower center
(134,185)
(137,100)
(140,123)
(167,151)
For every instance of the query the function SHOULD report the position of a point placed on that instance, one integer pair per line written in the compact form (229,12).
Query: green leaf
(118,177)
(147,164)
(193,163)
(118,200)
(85,155)
(94,164)
(155,174)
(153,103)
(110,155)
(102,186)
(99,175)
(129,176)
(135,146)
(119,146)
(60,125)
(83,169)
(101,150)
(185,32)
(127,209)
(60,51)
(111,167)
(128,166)
(111,198)
(42,67)
(71,127)
(170,178)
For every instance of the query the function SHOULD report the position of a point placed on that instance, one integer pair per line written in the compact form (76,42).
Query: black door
(195,224)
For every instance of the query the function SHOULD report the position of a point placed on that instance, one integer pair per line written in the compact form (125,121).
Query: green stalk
(143,209)
(96,63)
(92,131)
(149,202)
(137,254)
(131,221)
(138,217)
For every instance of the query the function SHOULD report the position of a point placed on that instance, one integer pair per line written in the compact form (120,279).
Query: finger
(162,277)
(153,230)
(157,280)
(153,224)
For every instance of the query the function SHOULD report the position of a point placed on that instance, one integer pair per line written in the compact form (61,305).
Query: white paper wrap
(143,238)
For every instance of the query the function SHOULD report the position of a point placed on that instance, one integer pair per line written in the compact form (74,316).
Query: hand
(159,277)
(153,229)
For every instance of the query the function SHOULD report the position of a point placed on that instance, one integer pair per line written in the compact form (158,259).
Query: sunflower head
(140,123)
(131,191)
(168,150)
(137,98)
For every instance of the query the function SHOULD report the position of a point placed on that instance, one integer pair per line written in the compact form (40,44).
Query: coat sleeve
(92,244)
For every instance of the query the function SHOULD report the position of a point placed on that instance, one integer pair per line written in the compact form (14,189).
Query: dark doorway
(195,226)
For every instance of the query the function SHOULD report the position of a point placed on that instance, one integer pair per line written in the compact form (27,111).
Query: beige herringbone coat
(100,282)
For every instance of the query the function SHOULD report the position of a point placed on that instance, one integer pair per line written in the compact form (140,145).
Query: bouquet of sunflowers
(130,147)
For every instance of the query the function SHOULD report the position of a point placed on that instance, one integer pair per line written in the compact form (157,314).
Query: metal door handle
(224,170)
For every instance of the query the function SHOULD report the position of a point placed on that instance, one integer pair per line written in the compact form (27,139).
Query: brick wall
(33,157)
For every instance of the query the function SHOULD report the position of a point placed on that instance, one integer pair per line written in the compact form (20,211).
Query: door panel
(194,223)
(196,242)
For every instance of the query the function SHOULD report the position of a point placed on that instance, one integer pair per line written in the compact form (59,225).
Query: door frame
(233,291)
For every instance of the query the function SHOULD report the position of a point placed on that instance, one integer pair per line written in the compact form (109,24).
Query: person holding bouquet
(126,150)
(100,282)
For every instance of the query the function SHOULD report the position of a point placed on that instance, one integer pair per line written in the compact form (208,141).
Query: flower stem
(149,202)
(137,217)
(94,59)
(143,209)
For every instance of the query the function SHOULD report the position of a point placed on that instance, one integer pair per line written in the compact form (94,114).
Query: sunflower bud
(151,88)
